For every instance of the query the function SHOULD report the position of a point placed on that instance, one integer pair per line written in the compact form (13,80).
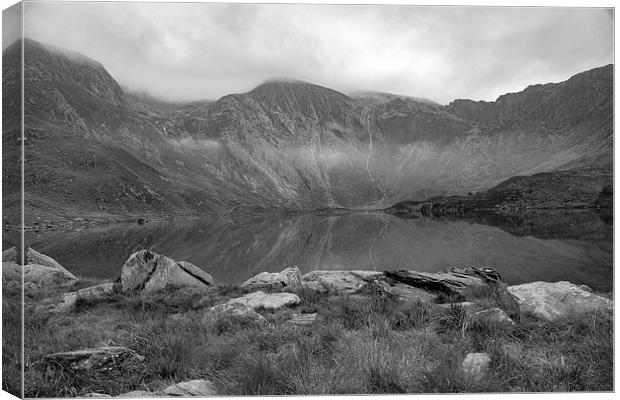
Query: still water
(577,247)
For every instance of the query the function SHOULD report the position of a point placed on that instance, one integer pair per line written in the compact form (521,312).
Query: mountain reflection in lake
(579,251)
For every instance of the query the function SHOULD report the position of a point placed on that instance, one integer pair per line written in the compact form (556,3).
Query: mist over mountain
(92,148)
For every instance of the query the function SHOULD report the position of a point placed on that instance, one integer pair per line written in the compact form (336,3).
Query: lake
(577,247)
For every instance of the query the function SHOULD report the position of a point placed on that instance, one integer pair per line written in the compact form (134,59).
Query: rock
(120,365)
(494,315)
(35,258)
(10,255)
(30,288)
(288,278)
(90,294)
(138,393)
(338,282)
(459,282)
(272,301)
(232,310)
(302,319)
(147,271)
(464,304)
(554,300)
(475,365)
(196,387)
(92,394)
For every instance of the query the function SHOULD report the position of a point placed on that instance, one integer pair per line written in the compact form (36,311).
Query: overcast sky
(195,51)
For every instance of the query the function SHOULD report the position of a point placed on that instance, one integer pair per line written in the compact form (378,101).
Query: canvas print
(219,199)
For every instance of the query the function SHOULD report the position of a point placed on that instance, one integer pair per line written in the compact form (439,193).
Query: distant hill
(93,149)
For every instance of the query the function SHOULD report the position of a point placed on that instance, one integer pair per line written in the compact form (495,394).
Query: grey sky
(185,51)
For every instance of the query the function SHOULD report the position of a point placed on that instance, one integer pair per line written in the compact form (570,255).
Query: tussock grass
(358,345)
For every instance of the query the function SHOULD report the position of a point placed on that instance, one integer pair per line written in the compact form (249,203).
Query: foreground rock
(40,270)
(495,316)
(196,387)
(10,255)
(457,282)
(270,301)
(231,311)
(554,300)
(146,271)
(288,278)
(476,365)
(90,294)
(339,282)
(107,364)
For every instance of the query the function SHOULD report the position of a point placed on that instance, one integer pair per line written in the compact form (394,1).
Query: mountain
(94,150)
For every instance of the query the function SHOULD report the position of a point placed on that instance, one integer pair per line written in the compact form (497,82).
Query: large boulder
(554,300)
(270,301)
(10,255)
(195,387)
(288,278)
(339,282)
(461,283)
(41,270)
(100,365)
(146,271)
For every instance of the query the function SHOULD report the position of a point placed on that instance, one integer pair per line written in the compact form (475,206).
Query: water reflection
(574,247)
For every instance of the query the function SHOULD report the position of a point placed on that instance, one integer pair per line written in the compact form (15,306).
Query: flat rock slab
(288,278)
(232,310)
(554,300)
(302,319)
(271,301)
(95,293)
(339,282)
(105,364)
(146,271)
(196,387)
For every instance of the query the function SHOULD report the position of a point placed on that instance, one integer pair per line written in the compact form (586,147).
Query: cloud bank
(190,51)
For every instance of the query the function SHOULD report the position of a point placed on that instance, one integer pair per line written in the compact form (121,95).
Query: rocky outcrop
(555,300)
(195,387)
(458,282)
(338,282)
(288,278)
(475,365)
(146,271)
(109,364)
(270,301)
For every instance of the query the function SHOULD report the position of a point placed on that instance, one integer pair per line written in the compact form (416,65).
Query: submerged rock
(110,364)
(475,365)
(196,387)
(554,300)
(288,278)
(271,301)
(146,271)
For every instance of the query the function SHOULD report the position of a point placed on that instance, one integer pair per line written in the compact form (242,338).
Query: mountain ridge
(287,145)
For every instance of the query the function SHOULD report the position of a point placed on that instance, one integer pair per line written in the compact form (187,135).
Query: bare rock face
(288,278)
(554,300)
(196,387)
(272,301)
(120,365)
(146,271)
(475,365)
(339,282)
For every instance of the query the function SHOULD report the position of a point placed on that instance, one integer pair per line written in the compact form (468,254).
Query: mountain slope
(92,149)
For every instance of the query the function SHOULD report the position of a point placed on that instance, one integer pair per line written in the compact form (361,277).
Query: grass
(359,345)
